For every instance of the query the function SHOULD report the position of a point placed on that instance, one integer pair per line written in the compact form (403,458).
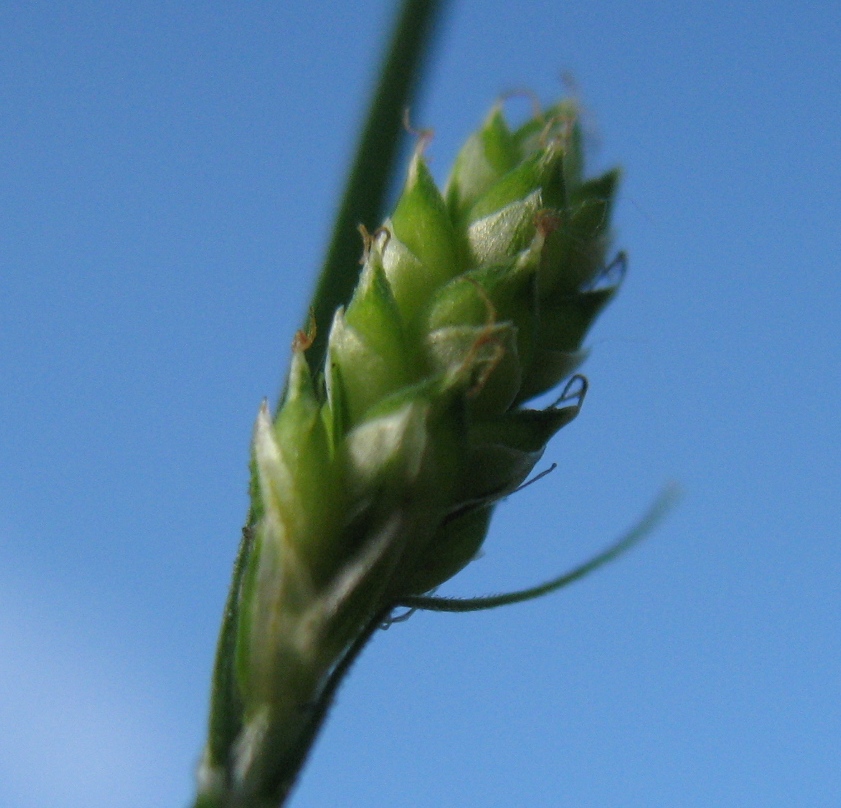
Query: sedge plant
(406,418)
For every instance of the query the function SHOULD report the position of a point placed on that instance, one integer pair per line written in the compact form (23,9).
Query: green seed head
(376,480)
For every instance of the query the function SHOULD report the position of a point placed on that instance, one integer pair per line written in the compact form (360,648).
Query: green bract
(376,480)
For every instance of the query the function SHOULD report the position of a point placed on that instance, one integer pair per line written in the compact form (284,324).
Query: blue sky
(169,177)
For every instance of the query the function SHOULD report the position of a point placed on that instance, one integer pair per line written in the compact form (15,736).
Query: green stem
(225,706)
(373,168)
